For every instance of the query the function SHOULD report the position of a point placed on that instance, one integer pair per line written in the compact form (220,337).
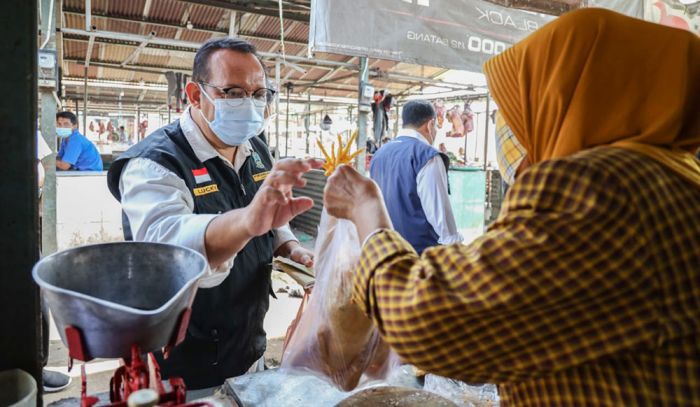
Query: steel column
(308,132)
(286,130)
(486,131)
(277,107)
(362,117)
(85,98)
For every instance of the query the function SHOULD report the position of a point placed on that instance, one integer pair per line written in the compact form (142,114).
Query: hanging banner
(456,34)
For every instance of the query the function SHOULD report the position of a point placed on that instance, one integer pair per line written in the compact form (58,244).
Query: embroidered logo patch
(261,176)
(201,175)
(206,190)
(258,161)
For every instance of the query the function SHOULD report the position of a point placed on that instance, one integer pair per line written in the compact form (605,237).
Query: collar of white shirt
(203,149)
(413,134)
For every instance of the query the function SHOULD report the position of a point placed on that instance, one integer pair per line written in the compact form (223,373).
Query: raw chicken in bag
(334,338)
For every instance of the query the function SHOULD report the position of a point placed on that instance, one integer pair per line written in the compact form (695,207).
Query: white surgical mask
(266,123)
(235,120)
(63,132)
(509,152)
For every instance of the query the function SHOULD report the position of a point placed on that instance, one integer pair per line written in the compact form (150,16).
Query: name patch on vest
(261,176)
(206,190)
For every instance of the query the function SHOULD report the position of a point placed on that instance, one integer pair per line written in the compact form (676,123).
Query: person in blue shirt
(76,152)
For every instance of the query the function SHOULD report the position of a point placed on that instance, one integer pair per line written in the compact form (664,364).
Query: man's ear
(194,94)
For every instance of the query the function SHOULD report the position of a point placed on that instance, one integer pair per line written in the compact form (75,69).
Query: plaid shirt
(585,291)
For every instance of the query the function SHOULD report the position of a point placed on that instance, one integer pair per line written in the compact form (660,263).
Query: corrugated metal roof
(130,8)
(293,49)
(206,16)
(161,32)
(270,26)
(146,77)
(149,59)
(167,10)
(122,26)
(315,74)
(249,22)
(116,74)
(77,70)
(299,32)
(261,45)
(79,4)
(116,53)
(171,12)
(382,64)
(181,62)
(77,49)
(74,21)
(195,36)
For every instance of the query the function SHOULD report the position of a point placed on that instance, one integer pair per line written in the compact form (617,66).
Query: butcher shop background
(456,34)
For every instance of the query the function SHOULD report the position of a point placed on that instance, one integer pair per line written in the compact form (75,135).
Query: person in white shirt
(412,176)
(208,182)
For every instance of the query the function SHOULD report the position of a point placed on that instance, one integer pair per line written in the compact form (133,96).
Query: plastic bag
(465,395)
(334,338)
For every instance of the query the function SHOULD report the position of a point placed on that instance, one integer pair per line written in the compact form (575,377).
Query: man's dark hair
(200,69)
(416,112)
(68,115)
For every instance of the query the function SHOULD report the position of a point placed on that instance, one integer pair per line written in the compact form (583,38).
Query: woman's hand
(349,195)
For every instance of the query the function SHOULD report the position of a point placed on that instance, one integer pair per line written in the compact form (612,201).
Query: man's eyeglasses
(261,97)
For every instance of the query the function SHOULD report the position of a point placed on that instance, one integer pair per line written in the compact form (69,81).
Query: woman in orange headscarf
(586,290)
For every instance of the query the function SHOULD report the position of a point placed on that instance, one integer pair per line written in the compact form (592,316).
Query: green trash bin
(17,389)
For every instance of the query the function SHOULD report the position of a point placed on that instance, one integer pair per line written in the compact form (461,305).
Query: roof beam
(158,88)
(152,69)
(88,15)
(181,26)
(183,21)
(167,43)
(159,70)
(252,7)
(234,24)
(97,83)
(135,54)
(88,53)
(147,8)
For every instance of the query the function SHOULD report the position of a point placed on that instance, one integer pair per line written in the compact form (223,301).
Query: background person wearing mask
(412,176)
(586,290)
(207,182)
(76,152)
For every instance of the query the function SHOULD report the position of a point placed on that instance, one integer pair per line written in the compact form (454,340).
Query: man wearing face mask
(412,176)
(207,182)
(75,152)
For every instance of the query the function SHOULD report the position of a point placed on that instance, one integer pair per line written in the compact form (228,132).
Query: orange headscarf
(595,77)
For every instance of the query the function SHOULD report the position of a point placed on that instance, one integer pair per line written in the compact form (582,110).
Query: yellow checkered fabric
(585,292)
(510,153)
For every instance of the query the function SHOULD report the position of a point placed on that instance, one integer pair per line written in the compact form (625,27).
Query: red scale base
(133,375)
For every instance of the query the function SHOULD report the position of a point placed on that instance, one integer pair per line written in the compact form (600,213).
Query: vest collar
(412,134)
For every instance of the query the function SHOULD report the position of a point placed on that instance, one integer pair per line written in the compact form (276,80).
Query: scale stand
(134,374)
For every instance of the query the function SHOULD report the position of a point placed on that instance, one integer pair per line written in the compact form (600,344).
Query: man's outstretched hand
(274,205)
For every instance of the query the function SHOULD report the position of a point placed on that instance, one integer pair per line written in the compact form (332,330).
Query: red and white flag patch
(201,175)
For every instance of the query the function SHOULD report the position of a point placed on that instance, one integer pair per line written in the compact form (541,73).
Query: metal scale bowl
(117,300)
